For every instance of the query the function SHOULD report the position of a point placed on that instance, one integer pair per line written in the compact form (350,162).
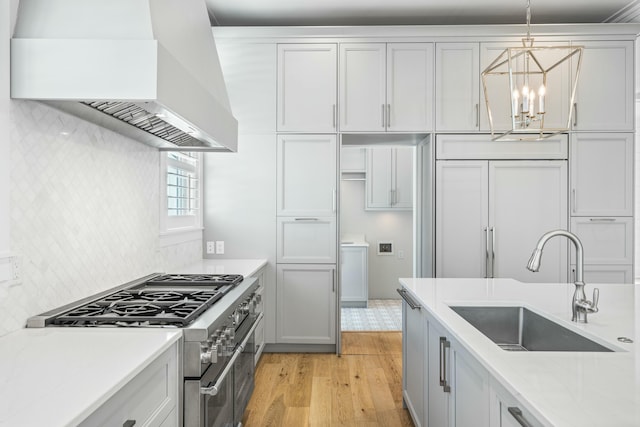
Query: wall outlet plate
(211,247)
(220,247)
(385,248)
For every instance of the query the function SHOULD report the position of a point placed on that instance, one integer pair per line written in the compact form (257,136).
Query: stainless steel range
(218,315)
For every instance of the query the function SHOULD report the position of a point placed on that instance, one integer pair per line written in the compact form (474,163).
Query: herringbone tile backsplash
(84,212)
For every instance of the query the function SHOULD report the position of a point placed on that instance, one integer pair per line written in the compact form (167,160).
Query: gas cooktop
(170,300)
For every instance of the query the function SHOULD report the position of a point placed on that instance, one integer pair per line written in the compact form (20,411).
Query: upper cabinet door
(558,86)
(604,98)
(602,174)
(362,87)
(409,87)
(307,88)
(402,184)
(307,175)
(457,86)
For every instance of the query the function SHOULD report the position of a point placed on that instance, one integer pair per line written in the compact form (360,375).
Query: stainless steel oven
(218,315)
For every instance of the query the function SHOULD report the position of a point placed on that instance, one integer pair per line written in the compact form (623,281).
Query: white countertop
(245,267)
(353,240)
(560,388)
(59,376)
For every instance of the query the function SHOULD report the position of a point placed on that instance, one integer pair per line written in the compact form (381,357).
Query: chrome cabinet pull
(388,115)
(410,302)
(383,114)
(517,414)
(334,116)
(574,200)
(129,423)
(493,252)
(306,219)
(575,114)
(486,253)
(602,219)
(444,345)
(477,116)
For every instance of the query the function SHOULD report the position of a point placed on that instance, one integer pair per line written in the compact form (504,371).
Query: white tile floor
(380,315)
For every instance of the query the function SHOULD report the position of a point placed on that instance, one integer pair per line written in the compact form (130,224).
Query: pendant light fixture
(535,80)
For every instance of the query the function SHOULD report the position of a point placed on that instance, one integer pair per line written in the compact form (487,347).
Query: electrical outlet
(211,247)
(400,254)
(220,247)
(16,268)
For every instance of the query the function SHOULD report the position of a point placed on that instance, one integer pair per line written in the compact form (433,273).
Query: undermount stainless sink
(520,329)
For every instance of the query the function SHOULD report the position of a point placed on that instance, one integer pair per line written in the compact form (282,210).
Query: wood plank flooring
(363,387)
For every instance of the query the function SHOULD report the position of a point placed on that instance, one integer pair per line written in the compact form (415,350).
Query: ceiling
(409,12)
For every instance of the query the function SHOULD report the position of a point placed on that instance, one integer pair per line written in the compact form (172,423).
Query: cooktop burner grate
(196,279)
(143,307)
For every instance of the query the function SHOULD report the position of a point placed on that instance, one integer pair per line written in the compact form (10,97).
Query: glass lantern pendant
(534,79)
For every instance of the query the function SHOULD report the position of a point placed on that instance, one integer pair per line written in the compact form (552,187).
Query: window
(181,191)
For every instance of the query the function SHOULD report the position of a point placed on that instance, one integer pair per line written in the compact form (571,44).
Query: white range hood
(145,68)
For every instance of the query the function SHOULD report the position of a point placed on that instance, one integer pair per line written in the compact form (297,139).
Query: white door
(306,304)
(462,208)
(306,175)
(414,358)
(602,174)
(307,87)
(457,86)
(402,184)
(353,275)
(470,389)
(409,87)
(362,87)
(605,93)
(606,240)
(526,200)
(378,179)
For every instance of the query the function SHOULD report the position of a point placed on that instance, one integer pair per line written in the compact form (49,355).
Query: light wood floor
(363,387)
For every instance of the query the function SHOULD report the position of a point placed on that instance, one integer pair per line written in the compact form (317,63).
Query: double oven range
(217,314)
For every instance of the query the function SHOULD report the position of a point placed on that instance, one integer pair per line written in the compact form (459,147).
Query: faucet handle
(596,298)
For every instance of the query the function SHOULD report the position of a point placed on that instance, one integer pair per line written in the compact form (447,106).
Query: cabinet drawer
(481,147)
(605,240)
(149,399)
(306,240)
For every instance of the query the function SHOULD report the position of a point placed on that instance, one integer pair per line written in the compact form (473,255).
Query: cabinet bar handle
(602,219)
(383,115)
(410,302)
(388,115)
(517,414)
(334,200)
(493,252)
(574,200)
(575,114)
(306,219)
(333,285)
(129,423)
(486,253)
(444,345)
(334,116)
(477,116)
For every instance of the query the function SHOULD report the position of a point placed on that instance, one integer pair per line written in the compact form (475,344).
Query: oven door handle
(214,389)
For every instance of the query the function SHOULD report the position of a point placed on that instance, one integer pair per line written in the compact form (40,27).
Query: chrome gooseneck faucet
(580,306)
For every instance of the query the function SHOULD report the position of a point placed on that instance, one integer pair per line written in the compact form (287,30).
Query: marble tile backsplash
(84,212)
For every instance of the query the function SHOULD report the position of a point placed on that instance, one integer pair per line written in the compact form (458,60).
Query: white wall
(397,226)
(82,209)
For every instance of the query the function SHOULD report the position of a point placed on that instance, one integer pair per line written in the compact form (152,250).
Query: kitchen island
(551,388)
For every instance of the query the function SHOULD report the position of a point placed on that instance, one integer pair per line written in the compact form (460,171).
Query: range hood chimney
(146,68)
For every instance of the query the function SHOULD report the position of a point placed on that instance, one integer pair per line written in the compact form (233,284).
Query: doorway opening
(384,225)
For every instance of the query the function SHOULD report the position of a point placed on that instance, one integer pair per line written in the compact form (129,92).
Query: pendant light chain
(528,19)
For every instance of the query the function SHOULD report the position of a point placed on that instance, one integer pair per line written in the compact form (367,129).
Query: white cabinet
(389,178)
(414,361)
(307,88)
(149,399)
(306,304)
(458,386)
(558,85)
(354,290)
(602,174)
(353,159)
(386,87)
(605,92)
(506,410)
(306,240)
(306,175)
(490,214)
(457,73)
